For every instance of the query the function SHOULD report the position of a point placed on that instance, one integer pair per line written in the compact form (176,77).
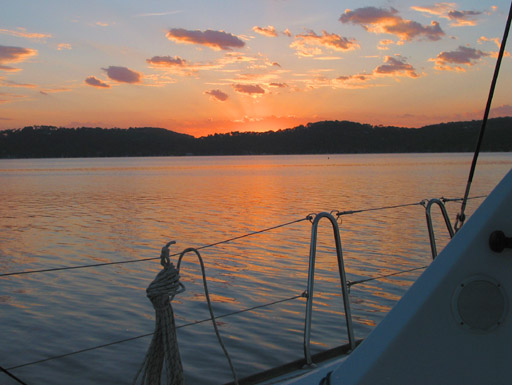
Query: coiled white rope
(164,347)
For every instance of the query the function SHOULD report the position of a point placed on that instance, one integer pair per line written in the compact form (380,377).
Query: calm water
(68,212)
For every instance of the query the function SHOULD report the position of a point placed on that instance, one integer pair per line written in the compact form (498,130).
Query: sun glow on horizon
(200,69)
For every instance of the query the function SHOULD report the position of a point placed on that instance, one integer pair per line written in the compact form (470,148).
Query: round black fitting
(498,241)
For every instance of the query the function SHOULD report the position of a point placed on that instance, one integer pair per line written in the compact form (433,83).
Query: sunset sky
(201,67)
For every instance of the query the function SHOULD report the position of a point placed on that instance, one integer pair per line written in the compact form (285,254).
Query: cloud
(250,89)
(14,55)
(217,40)
(22,32)
(62,46)
(7,97)
(167,61)
(307,44)
(8,83)
(278,85)
(454,60)
(503,110)
(494,40)
(269,31)
(355,81)
(396,66)
(123,75)
(95,82)
(448,11)
(217,95)
(102,24)
(47,91)
(158,14)
(381,20)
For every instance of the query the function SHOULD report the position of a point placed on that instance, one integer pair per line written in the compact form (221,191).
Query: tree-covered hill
(313,138)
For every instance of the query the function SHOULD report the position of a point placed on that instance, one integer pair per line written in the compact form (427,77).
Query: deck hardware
(498,241)
(311,278)
(428,208)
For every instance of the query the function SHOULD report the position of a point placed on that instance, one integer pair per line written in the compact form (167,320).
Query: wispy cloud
(47,91)
(22,32)
(151,14)
(95,82)
(217,40)
(311,44)
(9,83)
(63,46)
(10,55)
(449,11)
(123,74)
(382,20)
(217,95)
(455,60)
(269,31)
(6,97)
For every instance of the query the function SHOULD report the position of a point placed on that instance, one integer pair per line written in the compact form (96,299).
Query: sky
(205,67)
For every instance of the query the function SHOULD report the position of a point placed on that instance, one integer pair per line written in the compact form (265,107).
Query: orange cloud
(307,44)
(250,89)
(23,33)
(62,46)
(95,82)
(448,11)
(269,31)
(217,40)
(217,95)
(454,60)
(396,66)
(167,61)
(355,81)
(14,55)
(8,83)
(381,20)
(123,74)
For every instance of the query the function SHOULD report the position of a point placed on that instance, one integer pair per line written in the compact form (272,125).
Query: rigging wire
(308,217)
(12,376)
(461,217)
(150,334)
(154,258)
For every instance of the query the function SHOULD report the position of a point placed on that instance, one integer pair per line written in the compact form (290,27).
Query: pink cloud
(167,61)
(95,82)
(14,55)
(396,66)
(123,74)
(217,95)
(454,60)
(381,20)
(251,89)
(307,44)
(503,110)
(217,40)
(22,32)
(448,11)
(269,31)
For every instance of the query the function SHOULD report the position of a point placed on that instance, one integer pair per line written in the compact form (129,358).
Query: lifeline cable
(150,334)
(12,376)
(154,258)
(461,217)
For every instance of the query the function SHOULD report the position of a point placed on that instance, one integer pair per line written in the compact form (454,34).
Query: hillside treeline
(314,138)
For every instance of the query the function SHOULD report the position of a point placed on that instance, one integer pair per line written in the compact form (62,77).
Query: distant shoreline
(326,137)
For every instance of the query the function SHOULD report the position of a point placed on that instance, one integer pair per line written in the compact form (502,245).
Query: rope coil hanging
(164,347)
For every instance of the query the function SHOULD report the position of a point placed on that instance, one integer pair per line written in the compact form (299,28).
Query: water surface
(69,212)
